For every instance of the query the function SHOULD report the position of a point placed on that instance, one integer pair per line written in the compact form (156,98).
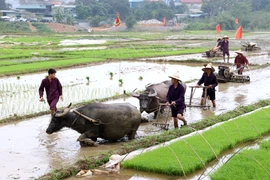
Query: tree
(226,21)
(154,10)
(115,6)
(99,10)
(95,21)
(130,22)
(86,2)
(69,19)
(259,5)
(242,11)
(83,12)
(59,15)
(181,9)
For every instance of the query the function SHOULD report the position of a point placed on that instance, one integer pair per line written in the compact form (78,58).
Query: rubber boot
(224,59)
(228,60)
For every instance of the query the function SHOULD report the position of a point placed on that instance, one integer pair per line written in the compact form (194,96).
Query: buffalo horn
(135,94)
(66,110)
(152,95)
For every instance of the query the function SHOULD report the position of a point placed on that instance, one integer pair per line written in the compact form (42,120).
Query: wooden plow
(193,89)
(165,125)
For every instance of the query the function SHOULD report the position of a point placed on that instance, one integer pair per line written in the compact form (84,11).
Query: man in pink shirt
(240,62)
(53,90)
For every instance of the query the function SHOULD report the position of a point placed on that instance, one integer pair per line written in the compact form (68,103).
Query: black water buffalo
(107,121)
(153,96)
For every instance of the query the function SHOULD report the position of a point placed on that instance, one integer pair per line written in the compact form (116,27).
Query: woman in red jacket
(240,62)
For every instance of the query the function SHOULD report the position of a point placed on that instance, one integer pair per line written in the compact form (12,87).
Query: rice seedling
(111,75)
(207,146)
(120,82)
(18,77)
(246,164)
(88,79)
(140,78)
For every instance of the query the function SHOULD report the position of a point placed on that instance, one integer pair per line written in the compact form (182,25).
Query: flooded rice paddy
(20,96)
(27,152)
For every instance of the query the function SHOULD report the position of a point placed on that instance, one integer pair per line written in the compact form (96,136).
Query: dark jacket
(177,94)
(53,89)
(208,80)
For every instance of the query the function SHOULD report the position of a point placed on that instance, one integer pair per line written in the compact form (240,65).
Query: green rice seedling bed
(247,164)
(192,153)
(38,66)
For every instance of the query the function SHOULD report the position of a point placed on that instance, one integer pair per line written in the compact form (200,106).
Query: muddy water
(27,151)
(20,97)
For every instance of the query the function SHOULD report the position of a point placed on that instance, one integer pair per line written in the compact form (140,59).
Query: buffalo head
(57,121)
(147,100)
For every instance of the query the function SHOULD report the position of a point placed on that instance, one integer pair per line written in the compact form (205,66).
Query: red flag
(238,34)
(218,28)
(117,20)
(164,21)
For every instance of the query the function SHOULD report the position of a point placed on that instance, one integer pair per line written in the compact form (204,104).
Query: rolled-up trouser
(52,103)
(211,93)
(177,110)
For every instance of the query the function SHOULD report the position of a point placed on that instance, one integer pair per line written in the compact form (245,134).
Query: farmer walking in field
(209,80)
(53,90)
(225,48)
(176,100)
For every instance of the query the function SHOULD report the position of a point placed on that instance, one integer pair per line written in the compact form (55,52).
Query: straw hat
(239,52)
(225,37)
(175,76)
(208,66)
(114,160)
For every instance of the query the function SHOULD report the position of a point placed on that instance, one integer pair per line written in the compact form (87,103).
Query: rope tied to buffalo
(96,122)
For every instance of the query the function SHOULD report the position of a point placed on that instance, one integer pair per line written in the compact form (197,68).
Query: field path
(33,28)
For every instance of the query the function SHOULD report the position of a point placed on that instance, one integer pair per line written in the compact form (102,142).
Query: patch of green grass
(41,27)
(247,164)
(14,27)
(39,66)
(192,153)
(56,57)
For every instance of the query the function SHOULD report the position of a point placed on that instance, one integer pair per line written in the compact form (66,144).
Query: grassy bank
(187,155)
(95,161)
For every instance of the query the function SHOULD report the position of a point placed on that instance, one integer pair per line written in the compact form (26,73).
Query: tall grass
(169,159)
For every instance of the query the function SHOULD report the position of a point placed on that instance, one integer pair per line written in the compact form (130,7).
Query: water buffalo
(153,96)
(107,121)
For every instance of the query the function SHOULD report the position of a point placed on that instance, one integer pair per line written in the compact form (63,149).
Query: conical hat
(175,76)
(239,52)
(208,66)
